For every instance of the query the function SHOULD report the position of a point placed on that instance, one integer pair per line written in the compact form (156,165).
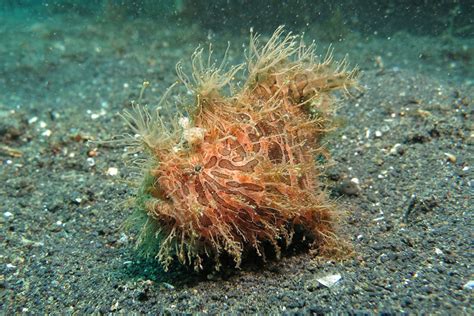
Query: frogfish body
(240,173)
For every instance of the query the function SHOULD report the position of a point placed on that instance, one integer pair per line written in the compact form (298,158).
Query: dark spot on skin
(275,153)
(211,163)
(248,167)
(200,191)
(224,151)
(220,174)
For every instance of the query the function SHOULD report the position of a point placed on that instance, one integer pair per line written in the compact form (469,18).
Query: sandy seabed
(403,173)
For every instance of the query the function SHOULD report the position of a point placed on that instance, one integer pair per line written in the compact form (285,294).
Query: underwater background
(402,156)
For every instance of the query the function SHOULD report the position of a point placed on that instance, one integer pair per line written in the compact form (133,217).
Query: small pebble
(451,157)
(168,286)
(92,153)
(349,188)
(53,115)
(112,171)
(33,120)
(90,162)
(395,149)
(8,214)
(95,116)
(329,280)
(469,285)
(123,238)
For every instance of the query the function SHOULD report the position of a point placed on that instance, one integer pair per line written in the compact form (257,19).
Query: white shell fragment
(329,280)
(112,171)
(469,285)
(450,157)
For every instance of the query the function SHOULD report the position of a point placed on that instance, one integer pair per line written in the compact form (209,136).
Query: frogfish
(238,174)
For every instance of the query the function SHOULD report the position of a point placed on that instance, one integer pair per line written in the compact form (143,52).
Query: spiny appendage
(284,70)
